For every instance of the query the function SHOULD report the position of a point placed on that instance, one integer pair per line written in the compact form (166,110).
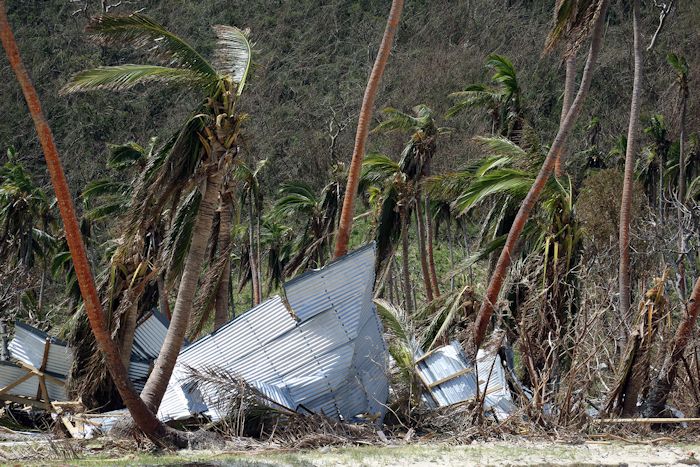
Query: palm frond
(122,156)
(122,77)
(233,54)
(143,32)
(394,319)
(395,120)
(180,235)
(500,146)
(508,181)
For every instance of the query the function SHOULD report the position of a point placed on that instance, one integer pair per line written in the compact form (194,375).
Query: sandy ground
(518,453)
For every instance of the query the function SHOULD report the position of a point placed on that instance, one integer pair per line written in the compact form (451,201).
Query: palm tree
(251,193)
(363,122)
(499,274)
(395,195)
(680,66)
(144,418)
(299,200)
(416,158)
(209,141)
(502,99)
(625,208)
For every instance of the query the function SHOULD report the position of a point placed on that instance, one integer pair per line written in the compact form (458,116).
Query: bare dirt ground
(500,453)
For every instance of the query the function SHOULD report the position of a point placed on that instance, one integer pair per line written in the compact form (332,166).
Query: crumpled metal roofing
(450,378)
(331,359)
(28,345)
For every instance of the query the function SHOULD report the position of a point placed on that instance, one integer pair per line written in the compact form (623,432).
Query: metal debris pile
(451,378)
(317,349)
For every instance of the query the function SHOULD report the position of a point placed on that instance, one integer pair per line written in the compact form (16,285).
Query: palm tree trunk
(252,256)
(157,382)
(143,417)
(422,253)
(429,247)
(661,388)
(499,274)
(363,121)
(128,332)
(404,260)
(163,297)
(625,209)
(221,306)
(569,89)
(681,155)
(450,247)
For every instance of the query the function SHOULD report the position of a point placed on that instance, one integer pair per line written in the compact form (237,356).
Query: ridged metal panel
(314,363)
(445,362)
(344,286)
(149,335)
(9,373)
(449,360)
(28,346)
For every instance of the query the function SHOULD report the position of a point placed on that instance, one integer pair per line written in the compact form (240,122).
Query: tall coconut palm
(504,261)
(502,99)
(680,66)
(143,417)
(300,200)
(415,162)
(209,141)
(363,122)
(252,196)
(395,195)
(625,208)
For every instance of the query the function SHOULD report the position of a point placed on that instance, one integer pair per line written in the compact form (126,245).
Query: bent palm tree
(363,121)
(196,160)
(144,418)
(504,261)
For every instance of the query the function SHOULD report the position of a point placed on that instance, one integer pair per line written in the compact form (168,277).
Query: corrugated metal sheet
(149,335)
(452,378)
(9,373)
(28,346)
(331,359)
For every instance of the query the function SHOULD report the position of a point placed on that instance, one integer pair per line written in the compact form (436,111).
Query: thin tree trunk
(681,155)
(569,90)
(252,256)
(533,195)
(625,209)
(450,247)
(429,247)
(404,260)
(128,333)
(655,403)
(422,253)
(363,122)
(158,380)
(221,305)
(163,302)
(143,417)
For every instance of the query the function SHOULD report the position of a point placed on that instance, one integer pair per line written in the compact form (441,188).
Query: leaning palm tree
(194,162)
(363,122)
(626,205)
(504,261)
(143,417)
